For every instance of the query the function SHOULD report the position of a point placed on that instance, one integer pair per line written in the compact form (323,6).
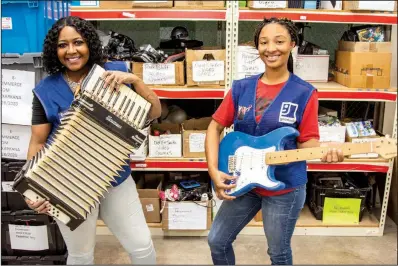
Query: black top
(38,113)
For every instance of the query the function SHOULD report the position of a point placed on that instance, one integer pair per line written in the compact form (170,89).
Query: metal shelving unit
(331,91)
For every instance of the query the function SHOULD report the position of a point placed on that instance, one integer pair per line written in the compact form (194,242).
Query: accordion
(87,151)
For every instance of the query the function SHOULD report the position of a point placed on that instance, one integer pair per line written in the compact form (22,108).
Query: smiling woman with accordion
(85,122)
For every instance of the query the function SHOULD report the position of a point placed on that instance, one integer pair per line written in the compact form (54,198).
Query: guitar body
(244,156)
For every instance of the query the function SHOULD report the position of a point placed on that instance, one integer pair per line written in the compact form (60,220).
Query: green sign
(341,211)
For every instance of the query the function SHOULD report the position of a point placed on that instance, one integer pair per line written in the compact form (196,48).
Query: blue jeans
(280,214)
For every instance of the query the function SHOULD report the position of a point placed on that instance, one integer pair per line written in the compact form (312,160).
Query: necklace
(73,84)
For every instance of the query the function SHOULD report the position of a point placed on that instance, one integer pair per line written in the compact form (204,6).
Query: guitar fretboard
(288,156)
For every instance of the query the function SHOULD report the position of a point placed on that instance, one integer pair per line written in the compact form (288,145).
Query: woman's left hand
(334,154)
(115,78)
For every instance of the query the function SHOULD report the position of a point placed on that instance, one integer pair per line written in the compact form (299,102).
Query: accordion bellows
(87,151)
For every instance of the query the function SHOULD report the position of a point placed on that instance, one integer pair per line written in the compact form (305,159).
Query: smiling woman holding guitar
(275,100)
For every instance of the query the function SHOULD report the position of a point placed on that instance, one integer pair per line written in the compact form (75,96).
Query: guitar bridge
(231,164)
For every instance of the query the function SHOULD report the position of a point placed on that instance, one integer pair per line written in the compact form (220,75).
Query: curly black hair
(285,22)
(51,63)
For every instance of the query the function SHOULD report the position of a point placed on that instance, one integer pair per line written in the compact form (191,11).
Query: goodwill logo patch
(288,113)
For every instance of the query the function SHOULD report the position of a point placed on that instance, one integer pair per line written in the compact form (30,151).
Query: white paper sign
(15,141)
(187,216)
(165,146)
(197,142)
(248,62)
(28,237)
(207,70)
(17,96)
(159,73)
(149,208)
(7,186)
(88,3)
(381,5)
(269,4)
(312,67)
(6,23)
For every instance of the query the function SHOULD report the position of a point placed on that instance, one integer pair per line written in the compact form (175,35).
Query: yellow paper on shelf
(341,211)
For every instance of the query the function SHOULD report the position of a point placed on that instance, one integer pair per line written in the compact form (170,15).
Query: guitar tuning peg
(387,136)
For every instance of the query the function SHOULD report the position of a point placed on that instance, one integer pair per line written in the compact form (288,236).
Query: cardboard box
(196,4)
(193,137)
(370,5)
(313,68)
(363,70)
(248,62)
(205,67)
(362,47)
(166,146)
(152,4)
(149,197)
(332,134)
(267,4)
(160,74)
(186,215)
(337,5)
(115,4)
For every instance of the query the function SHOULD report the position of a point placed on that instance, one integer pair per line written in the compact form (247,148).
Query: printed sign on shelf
(17,96)
(15,141)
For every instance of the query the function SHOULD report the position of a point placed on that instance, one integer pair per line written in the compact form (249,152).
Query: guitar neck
(288,156)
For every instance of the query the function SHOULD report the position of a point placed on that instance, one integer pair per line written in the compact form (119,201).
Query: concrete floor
(252,249)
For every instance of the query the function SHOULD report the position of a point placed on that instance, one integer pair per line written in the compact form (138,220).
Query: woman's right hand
(219,179)
(41,206)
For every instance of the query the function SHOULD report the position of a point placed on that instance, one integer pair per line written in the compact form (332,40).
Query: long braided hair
(288,24)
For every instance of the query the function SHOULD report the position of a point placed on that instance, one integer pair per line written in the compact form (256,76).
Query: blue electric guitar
(252,159)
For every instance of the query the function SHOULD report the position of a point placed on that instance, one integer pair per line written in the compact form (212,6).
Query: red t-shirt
(265,94)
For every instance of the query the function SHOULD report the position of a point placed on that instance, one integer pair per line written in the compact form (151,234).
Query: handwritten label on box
(165,146)
(17,96)
(187,216)
(205,71)
(28,237)
(159,73)
(269,4)
(15,141)
(197,142)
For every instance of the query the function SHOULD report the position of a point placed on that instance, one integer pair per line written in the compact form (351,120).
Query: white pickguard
(250,167)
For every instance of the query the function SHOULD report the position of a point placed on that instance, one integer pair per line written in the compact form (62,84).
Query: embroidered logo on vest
(242,110)
(288,113)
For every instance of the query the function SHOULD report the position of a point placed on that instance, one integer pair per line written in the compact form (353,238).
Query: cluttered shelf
(333,16)
(150,14)
(326,90)
(307,219)
(199,164)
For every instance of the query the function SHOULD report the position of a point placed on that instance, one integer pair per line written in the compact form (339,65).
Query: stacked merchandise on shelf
(324,186)
(186,201)
(363,59)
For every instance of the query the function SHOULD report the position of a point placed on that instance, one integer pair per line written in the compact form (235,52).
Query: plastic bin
(28,62)
(56,242)
(35,260)
(14,200)
(317,194)
(25,23)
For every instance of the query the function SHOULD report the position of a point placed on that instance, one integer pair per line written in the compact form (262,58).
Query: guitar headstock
(386,147)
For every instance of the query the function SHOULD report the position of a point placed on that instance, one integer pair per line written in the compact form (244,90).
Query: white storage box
(332,134)
(312,68)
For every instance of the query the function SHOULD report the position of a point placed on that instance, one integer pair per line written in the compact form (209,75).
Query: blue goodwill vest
(56,97)
(285,110)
